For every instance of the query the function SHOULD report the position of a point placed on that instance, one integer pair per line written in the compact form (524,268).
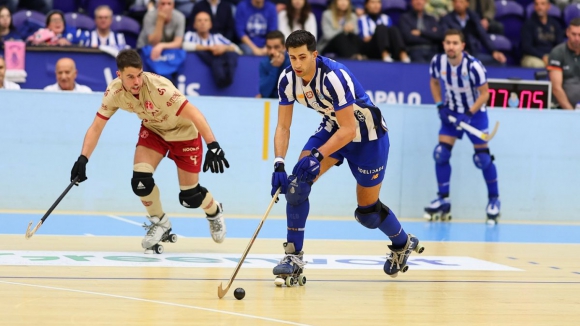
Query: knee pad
(372,217)
(142,183)
(297,192)
(192,198)
(442,153)
(482,159)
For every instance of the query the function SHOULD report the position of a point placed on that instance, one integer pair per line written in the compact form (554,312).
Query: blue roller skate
(438,209)
(397,260)
(492,210)
(289,270)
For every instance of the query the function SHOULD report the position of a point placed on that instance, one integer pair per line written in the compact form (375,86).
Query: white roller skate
(159,230)
(217,225)
(492,211)
(397,260)
(438,209)
(289,270)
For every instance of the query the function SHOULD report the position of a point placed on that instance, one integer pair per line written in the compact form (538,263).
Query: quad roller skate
(492,211)
(217,225)
(291,267)
(438,209)
(158,231)
(397,260)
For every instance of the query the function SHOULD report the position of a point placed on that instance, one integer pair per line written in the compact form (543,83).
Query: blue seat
(77,20)
(394,9)
(128,26)
(19,17)
(570,12)
(511,15)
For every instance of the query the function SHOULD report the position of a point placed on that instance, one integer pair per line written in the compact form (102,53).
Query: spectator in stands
(438,8)
(485,9)
(5,84)
(254,19)
(11,5)
(216,51)
(280,4)
(66,75)
(102,34)
(564,68)
(340,31)
(421,32)
(57,33)
(7,30)
(222,17)
(467,21)
(359,7)
(297,15)
(540,34)
(381,39)
(272,66)
(163,28)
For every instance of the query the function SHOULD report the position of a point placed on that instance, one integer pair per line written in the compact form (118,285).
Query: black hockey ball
(239,293)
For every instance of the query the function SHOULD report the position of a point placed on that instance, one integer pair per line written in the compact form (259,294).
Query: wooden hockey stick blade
(30,233)
(493,132)
(221,291)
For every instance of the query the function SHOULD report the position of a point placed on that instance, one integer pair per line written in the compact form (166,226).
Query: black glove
(79,169)
(215,158)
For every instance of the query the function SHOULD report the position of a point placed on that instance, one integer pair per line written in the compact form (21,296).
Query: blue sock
(393,229)
(490,176)
(296,221)
(443,173)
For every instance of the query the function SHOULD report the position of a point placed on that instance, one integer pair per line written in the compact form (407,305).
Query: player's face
(303,61)
(274,47)
(104,19)
(453,46)
(132,79)
(373,6)
(573,34)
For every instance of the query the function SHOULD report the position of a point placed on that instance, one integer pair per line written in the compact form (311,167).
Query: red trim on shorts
(181,107)
(553,68)
(102,116)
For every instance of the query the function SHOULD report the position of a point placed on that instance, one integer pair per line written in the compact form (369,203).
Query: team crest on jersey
(144,134)
(360,116)
(309,94)
(319,95)
(464,76)
(161,91)
(149,106)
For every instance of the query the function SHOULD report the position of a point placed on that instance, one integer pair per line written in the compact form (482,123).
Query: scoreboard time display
(519,94)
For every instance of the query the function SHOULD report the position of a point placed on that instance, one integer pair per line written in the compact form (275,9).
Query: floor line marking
(156,302)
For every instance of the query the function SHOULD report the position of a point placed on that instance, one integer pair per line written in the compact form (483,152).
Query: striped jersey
(461,82)
(213,39)
(113,39)
(333,88)
(367,25)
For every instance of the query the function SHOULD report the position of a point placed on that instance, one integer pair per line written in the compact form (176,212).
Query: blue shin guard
(380,216)
(441,155)
(297,209)
(484,161)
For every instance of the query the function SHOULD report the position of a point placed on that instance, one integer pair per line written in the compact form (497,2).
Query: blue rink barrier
(391,83)
(536,152)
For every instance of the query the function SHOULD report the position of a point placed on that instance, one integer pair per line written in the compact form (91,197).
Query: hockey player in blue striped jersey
(466,93)
(352,128)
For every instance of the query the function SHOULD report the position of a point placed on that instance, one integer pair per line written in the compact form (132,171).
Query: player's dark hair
(455,32)
(299,38)
(129,58)
(273,35)
(575,22)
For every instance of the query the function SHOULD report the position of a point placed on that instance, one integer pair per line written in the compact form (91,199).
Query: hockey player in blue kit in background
(329,88)
(466,93)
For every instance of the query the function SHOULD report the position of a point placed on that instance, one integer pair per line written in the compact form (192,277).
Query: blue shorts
(479,121)
(367,160)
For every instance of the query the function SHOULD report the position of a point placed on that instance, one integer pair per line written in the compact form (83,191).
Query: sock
(443,173)
(393,229)
(208,205)
(152,203)
(296,221)
(490,176)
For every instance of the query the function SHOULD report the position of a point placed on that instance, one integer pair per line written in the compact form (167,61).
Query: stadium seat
(511,15)
(66,5)
(128,26)
(570,12)
(318,7)
(77,20)
(19,17)
(394,9)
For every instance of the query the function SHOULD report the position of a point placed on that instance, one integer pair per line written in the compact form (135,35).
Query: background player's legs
(193,195)
(441,155)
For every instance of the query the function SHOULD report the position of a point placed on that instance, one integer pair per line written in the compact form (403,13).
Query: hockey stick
(474,131)
(221,291)
(30,233)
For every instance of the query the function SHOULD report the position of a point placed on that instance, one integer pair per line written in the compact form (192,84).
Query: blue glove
(463,117)
(279,179)
(444,113)
(308,168)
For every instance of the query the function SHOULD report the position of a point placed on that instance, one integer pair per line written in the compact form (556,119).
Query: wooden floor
(545,292)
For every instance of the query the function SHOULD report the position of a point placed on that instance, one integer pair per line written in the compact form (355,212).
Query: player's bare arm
(435,89)
(344,135)
(282,135)
(92,136)
(481,99)
(556,77)
(192,113)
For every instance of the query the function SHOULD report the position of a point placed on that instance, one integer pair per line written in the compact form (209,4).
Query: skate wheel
(158,249)
(428,217)
(173,238)
(279,281)
(446,217)
(419,249)
(404,269)
(301,280)
(289,281)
